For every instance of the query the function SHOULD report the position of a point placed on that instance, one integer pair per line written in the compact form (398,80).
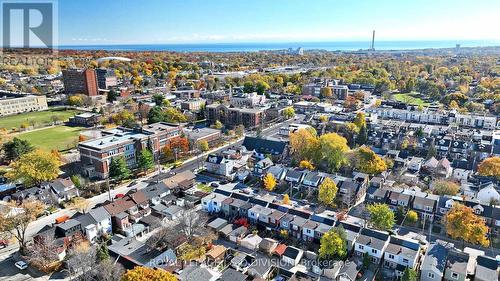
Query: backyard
(59,137)
(36,119)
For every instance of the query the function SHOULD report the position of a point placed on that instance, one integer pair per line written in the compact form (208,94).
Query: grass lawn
(410,99)
(39,118)
(59,137)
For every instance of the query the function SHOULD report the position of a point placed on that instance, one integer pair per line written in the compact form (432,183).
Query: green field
(410,99)
(59,137)
(38,119)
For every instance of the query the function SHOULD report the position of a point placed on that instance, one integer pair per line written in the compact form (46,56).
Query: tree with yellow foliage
(366,161)
(34,168)
(286,200)
(462,223)
(304,144)
(142,273)
(269,182)
(327,192)
(333,148)
(490,167)
(305,164)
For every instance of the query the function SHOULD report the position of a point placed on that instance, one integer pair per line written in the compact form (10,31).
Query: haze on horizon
(97,22)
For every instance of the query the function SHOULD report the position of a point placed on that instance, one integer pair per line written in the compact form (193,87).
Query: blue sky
(94,22)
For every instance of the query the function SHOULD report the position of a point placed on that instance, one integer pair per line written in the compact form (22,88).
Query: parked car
(214,184)
(21,265)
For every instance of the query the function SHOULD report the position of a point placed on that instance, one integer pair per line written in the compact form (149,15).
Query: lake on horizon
(254,47)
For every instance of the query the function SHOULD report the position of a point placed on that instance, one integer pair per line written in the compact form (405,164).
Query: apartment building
(96,154)
(247,100)
(248,117)
(106,78)
(437,117)
(194,105)
(13,105)
(80,81)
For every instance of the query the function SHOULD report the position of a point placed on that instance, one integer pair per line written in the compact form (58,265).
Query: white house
(371,242)
(401,253)
(103,220)
(488,193)
(212,203)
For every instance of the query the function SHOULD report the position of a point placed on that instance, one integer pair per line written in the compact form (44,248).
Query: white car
(21,265)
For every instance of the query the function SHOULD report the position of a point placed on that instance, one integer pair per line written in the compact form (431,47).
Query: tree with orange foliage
(286,200)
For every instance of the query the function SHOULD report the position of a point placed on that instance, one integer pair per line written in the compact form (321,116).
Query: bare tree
(17,218)
(108,270)
(43,254)
(80,261)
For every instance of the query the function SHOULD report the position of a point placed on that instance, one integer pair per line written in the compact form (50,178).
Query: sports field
(410,99)
(38,119)
(59,137)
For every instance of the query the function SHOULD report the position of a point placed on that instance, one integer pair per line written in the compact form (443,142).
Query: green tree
(158,99)
(118,169)
(218,124)
(203,145)
(145,160)
(102,252)
(327,192)
(155,115)
(381,216)
(34,167)
(333,244)
(261,87)
(362,136)
(288,112)
(409,275)
(15,148)
(445,187)
(432,152)
(111,96)
(76,181)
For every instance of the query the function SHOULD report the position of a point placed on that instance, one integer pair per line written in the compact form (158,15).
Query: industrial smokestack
(373,41)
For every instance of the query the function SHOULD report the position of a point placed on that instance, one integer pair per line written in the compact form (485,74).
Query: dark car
(214,184)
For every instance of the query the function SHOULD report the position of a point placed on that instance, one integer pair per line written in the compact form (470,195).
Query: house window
(454,275)
(374,260)
(391,256)
(361,247)
(374,251)
(431,275)
(308,231)
(405,261)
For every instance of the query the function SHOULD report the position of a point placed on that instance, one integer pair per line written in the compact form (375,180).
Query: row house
(212,203)
(372,243)
(401,253)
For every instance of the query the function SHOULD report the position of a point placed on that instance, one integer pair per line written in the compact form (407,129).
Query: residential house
(312,179)
(215,255)
(486,269)
(267,245)
(372,243)
(262,166)
(425,205)
(292,255)
(348,272)
(294,176)
(434,262)
(64,189)
(308,230)
(212,203)
(456,266)
(401,253)
(296,226)
(102,219)
(278,172)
